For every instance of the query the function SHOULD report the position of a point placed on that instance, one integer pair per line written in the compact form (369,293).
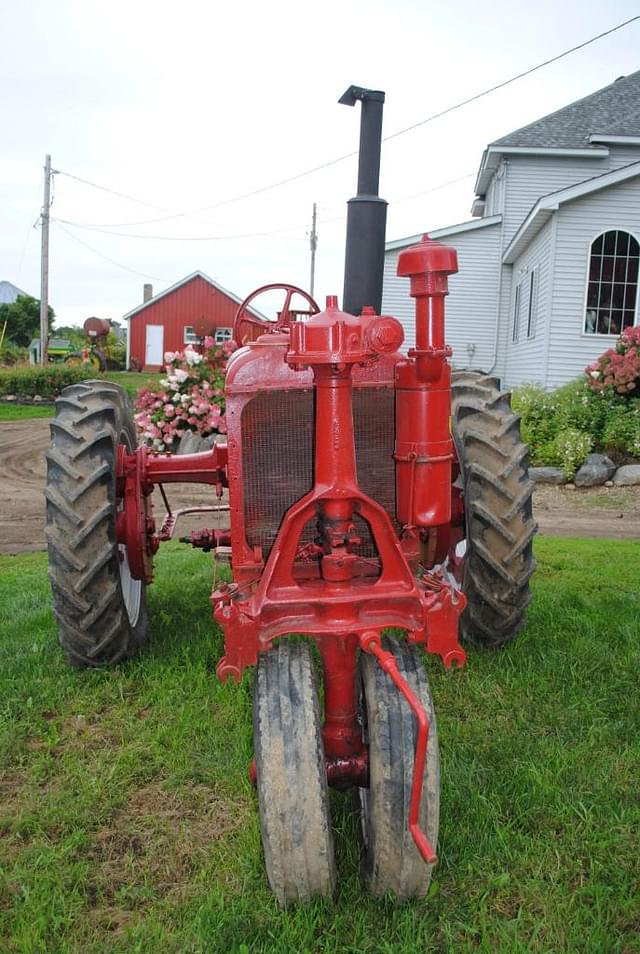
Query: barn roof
(184,281)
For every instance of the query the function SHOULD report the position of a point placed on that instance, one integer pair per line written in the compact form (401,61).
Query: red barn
(176,317)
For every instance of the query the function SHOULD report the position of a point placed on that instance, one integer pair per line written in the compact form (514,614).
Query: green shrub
(572,447)
(609,420)
(621,432)
(538,420)
(117,351)
(11,355)
(47,382)
(579,407)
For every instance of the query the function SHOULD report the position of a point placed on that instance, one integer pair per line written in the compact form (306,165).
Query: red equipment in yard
(361,500)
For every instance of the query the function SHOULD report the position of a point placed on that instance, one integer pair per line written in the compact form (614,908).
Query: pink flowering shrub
(619,367)
(190,398)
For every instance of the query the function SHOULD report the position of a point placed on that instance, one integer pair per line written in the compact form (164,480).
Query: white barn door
(154,345)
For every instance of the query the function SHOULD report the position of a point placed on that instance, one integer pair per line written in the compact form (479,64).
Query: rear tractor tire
(293,794)
(391,860)
(100,608)
(498,561)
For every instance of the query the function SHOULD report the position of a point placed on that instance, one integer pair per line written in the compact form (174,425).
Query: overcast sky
(185,105)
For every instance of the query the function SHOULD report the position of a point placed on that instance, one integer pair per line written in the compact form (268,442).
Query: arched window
(612,289)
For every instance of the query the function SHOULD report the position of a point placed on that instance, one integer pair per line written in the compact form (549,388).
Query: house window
(222,335)
(190,337)
(531,308)
(612,287)
(516,313)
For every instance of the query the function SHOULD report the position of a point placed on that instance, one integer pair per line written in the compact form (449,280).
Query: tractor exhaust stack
(367,212)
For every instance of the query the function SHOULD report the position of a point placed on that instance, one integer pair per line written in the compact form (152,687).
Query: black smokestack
(366,212)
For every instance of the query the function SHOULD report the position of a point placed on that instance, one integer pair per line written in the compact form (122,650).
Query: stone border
(37,400)
(598,470)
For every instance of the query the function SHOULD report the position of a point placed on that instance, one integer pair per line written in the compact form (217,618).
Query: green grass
(127,822)
(25,412)
(131,381)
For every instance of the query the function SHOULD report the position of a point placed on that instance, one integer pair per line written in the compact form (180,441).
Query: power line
(185,238)
(106,257)
(492,89)
(32,227)
(349,155)
(216,238)
(120,195)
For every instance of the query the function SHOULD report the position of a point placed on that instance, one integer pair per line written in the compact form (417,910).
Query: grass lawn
(131,381)
(128,823)
(25,412)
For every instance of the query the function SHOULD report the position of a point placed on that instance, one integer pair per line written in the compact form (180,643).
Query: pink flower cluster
(190,398)
(618,367)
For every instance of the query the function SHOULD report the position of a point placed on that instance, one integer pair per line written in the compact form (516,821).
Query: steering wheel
(248,327)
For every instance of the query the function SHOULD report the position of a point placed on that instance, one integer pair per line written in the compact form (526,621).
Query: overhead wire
(349,155)
(245,235)
(512,79)
(186,238)
(106,257)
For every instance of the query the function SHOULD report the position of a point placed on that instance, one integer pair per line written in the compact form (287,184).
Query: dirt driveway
(599,512)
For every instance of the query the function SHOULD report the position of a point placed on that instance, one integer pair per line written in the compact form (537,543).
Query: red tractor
(376,510)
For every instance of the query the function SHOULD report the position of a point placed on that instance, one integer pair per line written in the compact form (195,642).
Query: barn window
(222,335)
(612,286)
(190,337)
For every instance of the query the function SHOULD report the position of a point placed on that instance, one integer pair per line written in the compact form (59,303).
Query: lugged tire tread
(292,784)
(391,860)
(94,629)
(499,561)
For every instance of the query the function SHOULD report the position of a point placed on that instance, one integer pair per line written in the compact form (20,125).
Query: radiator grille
(277,458)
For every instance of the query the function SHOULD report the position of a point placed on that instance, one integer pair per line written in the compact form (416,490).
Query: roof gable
(445,232)
(550,203)
(612,111)
(180,284)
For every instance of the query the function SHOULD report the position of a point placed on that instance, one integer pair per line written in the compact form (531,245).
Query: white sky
(187,104)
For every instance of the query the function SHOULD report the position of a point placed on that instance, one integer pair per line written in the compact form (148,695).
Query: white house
(549,264)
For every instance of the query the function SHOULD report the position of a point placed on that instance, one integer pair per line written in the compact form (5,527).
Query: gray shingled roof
(612,111)
(9,292)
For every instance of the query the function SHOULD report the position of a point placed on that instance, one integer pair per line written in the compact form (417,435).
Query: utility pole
(313,242)
(44,265)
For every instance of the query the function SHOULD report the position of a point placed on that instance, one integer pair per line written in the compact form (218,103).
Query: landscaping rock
(627,476)
(608,483)
(546,475)
(37,398)
(596,469)
(9,397)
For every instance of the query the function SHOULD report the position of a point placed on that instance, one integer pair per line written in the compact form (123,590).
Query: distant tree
(23,320)
(73,333)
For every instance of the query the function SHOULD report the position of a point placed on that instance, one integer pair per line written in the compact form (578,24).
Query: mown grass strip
(25,412)
(128,822)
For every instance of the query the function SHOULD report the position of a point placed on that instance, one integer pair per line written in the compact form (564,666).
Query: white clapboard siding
(471,304)
(529,177)
(578,223)
(559,350)
(525,358)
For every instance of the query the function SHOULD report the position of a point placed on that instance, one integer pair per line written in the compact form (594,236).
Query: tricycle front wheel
(292,784)
(391,860)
